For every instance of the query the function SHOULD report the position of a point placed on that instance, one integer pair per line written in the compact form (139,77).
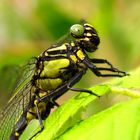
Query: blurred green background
(29,27)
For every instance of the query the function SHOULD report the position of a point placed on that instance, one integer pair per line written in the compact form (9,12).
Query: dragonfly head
(86,36)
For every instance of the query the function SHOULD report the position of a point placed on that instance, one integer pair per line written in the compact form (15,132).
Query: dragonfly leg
(39,118)
(104,61)
(97,70)
(101,61)
(54,102)
(69,85)
(38,115)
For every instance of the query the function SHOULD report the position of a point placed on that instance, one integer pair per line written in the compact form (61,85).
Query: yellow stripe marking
(88,34)
(80,54)
(16,134)
(86,24)
(73,57)
(35,102)
(62,47)
(72,44)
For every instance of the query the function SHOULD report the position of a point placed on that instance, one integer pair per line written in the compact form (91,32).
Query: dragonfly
(50,75)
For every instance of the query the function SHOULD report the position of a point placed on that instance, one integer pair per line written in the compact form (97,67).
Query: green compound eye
(77,30)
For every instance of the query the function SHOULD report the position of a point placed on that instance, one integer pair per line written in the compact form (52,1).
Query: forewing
(18,104)
(26,73)
(13,111)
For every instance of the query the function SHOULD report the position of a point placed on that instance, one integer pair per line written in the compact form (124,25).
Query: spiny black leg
(99,61)
(112,69)
(102,61)
(39,118)
(120,73)
(38,115)
(97,70)
(83,90)
(98,73)
(69,85)
(54,102)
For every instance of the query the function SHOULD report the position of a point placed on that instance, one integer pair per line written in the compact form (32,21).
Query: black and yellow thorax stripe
(58,64)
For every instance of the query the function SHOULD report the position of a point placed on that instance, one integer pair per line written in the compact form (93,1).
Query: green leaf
(120,122)
(129,85)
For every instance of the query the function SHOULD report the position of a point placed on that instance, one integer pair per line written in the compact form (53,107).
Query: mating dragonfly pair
(49,76)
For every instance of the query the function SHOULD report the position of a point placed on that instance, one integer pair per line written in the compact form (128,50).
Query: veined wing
(26,73)
(13,110)
(8,76)
(18,103)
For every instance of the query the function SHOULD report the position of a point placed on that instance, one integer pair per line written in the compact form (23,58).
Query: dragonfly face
(49,76)
(86,36)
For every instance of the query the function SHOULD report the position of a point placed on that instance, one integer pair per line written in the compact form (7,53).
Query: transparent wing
(18,103)
(8,76)
(25,75)
(13,110)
